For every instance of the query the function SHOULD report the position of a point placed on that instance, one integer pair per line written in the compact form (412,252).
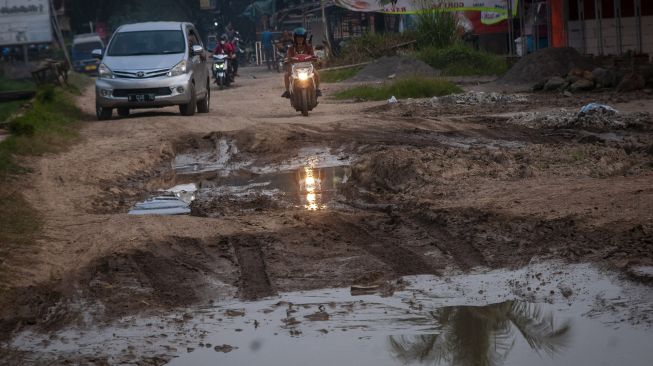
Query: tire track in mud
(403,261)
(254,281)
(463,251)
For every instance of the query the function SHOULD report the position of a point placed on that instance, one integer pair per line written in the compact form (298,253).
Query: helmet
(299,32)
(224,37)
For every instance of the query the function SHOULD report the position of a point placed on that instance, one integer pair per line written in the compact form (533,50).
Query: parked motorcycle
(303,91)
(222,70)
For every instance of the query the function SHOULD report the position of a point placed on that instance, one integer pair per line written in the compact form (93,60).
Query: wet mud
(420,188)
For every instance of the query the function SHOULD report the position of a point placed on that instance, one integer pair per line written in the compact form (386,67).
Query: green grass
(462,60)
(9,108)
(9,85)
(405,88)
(334,76)
(48,126)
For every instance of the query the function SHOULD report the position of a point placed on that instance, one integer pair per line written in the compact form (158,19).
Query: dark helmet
(299,32)
(224,37)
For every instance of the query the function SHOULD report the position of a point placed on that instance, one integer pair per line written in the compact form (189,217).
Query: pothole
(224,179)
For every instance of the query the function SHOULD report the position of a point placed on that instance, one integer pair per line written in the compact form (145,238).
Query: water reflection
(318,185)
(482,336)
(310,185)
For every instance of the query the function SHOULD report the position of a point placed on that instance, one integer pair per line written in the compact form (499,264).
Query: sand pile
(545,64)
(394,67)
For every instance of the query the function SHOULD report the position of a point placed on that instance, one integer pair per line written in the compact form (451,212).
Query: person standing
(267,40)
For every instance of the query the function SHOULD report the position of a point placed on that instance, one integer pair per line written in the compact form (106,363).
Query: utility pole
(57,31)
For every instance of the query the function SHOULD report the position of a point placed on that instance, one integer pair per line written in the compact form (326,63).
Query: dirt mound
(544,64)
(395,67)
(384,171)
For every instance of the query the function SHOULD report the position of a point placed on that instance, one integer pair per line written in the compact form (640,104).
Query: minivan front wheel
(103,113)
(189,109)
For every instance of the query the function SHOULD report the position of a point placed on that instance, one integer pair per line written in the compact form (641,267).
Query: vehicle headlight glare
(179,69)
(302,75)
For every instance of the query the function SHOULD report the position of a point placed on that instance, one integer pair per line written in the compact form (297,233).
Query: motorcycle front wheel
(304,105)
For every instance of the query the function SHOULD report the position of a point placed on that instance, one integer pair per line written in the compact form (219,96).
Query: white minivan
(150,65)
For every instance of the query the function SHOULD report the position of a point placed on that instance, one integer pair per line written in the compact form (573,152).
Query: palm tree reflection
(482,336)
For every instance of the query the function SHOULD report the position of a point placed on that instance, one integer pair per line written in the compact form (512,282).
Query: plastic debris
(392,100)
(597,107)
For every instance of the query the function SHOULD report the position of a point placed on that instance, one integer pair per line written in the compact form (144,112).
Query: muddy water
(308,187)
(546,314)
(309,180)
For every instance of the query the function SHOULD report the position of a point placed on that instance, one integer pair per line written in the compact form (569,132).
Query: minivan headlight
(178,69)
(104,72)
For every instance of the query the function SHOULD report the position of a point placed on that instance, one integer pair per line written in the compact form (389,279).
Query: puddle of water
(307,187)
(546,314)
(309,180)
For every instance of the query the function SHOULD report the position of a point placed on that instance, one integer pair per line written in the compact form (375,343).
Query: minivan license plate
(141,98)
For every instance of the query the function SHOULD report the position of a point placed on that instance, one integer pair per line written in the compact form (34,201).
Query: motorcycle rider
(299,47)
(225,47)
(236,43)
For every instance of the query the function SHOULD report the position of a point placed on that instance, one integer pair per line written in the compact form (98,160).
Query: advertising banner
(415,6)
(24,22)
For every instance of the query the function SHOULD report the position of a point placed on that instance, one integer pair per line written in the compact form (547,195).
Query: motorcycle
(303,91)
(222,70)
(281,57)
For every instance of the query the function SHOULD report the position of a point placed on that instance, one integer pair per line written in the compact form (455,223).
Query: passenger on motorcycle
(236,43)
(225,47)
(299,47)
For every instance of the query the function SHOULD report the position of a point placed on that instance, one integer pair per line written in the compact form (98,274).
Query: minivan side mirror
(97,53)
(198,50)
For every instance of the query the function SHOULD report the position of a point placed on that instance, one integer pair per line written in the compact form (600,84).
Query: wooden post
(511,31)
(617,18)
(326,29)
(638,26)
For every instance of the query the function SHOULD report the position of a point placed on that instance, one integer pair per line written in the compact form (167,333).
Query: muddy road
(358,194)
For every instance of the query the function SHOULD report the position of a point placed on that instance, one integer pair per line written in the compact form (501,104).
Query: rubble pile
(579,80)
(565,70)
(473,98)
(600,117)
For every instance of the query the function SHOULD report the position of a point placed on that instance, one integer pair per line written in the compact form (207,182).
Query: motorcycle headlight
(179,69)
(104,72)
(302,75)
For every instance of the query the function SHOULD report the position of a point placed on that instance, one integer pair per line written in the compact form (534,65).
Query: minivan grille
(140,74)
(122,93)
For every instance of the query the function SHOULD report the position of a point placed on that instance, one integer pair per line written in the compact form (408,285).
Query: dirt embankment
(431,188)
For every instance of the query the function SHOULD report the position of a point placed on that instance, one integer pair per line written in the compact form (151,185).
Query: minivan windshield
(156,42)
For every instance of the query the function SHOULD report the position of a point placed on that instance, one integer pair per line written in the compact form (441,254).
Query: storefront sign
(24,22)
(415,6)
